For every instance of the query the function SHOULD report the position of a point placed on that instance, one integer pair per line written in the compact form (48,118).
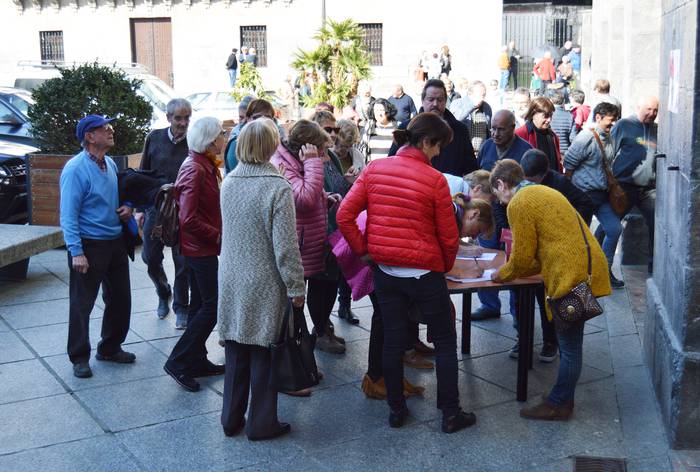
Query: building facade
(186,42)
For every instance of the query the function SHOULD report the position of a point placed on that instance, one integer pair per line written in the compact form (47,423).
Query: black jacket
(576,196)
(457,158)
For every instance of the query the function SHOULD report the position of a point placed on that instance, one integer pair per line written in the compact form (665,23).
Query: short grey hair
(177,104)
(202,133)
(245,101)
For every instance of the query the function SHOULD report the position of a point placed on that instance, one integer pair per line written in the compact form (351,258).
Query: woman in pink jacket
(299,160)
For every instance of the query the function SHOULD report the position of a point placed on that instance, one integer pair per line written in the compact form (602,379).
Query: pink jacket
(311,205)
(356,272)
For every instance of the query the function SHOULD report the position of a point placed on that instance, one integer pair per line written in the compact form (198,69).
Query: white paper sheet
(485,278)
(487,256)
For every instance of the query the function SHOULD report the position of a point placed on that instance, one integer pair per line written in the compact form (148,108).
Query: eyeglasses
(330,129)
(261,115)
(108,128)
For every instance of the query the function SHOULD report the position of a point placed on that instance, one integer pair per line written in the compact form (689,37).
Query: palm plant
(337,65)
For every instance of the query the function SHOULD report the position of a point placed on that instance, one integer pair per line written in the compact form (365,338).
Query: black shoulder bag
(293,365)
(579,305)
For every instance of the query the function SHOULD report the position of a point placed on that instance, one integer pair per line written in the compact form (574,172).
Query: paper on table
(487,256)
(484,278)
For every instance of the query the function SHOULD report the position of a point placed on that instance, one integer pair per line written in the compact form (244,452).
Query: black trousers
(643,198)
(248,373)
(152,255)
(320,300)
(429,292)
(376,341)
(344,292)
(190,352)
(109,267)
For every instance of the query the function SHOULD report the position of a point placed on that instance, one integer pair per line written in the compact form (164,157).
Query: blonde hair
(483,208)
(480,177)
(258,141)
(348,135)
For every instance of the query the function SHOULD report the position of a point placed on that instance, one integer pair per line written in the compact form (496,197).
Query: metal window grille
(372,41)
(561,31)
(256,37)
(51,43)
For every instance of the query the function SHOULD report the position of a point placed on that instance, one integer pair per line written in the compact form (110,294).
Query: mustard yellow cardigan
(547,240)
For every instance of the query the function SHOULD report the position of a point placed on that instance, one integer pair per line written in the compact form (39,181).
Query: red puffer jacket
(311,205)
(200,212)
(410,217)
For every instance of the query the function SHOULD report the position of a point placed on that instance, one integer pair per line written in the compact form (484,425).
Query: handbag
(616,194)
(293,365)
(579,305)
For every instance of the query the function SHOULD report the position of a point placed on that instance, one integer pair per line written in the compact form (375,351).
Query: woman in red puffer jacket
(412,237)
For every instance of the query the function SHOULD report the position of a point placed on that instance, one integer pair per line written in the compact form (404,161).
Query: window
(255,37)
(561,31)
(51,43)
(372,41)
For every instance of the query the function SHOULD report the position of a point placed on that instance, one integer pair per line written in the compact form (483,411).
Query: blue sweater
(633,140)
(488,156)
(89,202)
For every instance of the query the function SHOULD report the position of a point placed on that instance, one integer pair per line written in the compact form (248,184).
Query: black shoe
(82,370)
(181,321)
(459,421)
(121,357)
(397,418)
(514,351)
(650,267)
(548,352)
(163,307)
(345,313)
(284,428)
(615,282)
(209,369)
(483,313)
(234,431)
(185,381)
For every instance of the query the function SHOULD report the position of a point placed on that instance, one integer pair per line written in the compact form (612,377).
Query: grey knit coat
(260,264)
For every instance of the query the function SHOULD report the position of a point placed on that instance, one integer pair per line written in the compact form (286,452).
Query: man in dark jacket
(457,158)
(405,108)
(562,122)
(474,112)
(163,152)
(232,66)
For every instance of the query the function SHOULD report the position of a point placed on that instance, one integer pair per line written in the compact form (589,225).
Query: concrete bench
(19,242)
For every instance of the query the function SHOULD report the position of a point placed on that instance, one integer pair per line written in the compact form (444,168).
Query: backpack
(167,225)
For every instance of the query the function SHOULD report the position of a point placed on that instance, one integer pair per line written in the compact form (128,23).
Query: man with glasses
(164,152)
(92,230)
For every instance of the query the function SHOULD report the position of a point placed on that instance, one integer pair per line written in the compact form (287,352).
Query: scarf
(214,159)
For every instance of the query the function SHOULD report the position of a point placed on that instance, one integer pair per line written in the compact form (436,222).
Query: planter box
(44,171)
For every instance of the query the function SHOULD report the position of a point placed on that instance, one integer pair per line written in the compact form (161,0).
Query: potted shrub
(60,103)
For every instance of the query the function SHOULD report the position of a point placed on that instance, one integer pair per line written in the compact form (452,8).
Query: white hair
(177,104)
(202,133)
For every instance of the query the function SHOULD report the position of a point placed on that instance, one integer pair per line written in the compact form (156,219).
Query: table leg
(531,307)
(526,313)
(466,323)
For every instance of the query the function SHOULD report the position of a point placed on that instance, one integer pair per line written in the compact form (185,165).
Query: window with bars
(372,41)
(255,37)
(51,43)
(561,31)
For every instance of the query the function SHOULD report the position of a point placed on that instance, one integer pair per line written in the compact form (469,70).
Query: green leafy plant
(89,89)
(248,82)
(336,66)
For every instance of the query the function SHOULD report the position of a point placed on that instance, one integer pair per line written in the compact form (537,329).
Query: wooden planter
(43,185)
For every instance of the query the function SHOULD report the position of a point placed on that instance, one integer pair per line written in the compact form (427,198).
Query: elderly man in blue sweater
(91,217)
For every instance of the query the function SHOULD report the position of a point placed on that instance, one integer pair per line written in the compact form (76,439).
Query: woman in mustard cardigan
(547,240)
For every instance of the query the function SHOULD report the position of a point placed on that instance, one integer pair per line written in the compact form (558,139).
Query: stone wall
(672,328)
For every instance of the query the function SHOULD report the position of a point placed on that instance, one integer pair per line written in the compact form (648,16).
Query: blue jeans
(570,363)
(489,298)
(232,76)
(505,75)
(609,223)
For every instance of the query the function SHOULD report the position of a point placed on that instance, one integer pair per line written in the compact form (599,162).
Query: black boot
(615,282)
(345,313)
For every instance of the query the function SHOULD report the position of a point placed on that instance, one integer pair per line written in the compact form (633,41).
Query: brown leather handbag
(616,195)
(579,305)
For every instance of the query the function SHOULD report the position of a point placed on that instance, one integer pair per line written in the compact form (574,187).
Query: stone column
(672,327)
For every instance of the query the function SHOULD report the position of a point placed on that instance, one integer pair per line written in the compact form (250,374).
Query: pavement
(134,417)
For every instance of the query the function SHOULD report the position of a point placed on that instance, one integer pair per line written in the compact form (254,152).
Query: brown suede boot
(547,411)
(410,390)
(376,390)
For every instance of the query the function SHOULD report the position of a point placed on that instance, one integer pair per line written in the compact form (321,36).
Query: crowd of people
(337,209)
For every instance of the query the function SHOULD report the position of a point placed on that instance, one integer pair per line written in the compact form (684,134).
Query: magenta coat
(311,205)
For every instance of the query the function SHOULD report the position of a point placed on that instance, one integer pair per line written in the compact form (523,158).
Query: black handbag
(293,365)
(579,305)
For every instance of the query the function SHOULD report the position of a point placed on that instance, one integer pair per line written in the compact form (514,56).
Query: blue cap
(89,123)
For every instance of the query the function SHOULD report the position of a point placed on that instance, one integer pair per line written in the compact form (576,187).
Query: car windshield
(157,92)
(225,100)
(196,99)
(20,101)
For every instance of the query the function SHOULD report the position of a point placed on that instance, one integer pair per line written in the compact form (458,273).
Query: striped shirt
(381,140)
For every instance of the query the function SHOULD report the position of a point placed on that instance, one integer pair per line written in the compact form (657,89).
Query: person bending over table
(547,240)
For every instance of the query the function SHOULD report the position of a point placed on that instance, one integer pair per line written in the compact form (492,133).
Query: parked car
(14,123)
(13,182)
(223,106)
(17,97)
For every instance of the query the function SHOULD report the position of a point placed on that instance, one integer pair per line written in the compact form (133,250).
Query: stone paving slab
(43,422)
(146,402)
(42,313)
(25,380)
(13,349)
(99,453)
(40,285)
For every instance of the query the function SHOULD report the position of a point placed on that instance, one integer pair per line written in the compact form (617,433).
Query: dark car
(14,123)
(13,182)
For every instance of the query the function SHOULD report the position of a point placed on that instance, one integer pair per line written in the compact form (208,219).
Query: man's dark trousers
(108,266)
(152,255)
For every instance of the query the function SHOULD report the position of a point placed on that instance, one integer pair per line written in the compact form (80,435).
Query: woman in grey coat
(260,269)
